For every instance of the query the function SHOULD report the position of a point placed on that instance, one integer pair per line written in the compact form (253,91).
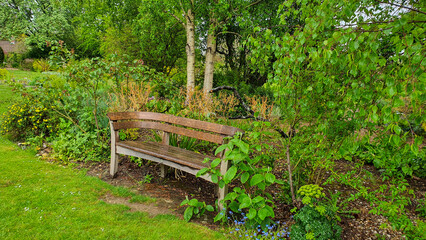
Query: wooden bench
(178,158)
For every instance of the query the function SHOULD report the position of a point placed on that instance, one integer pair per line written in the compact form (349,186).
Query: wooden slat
(169,128)
(181,156)
(193,171)
(192,123)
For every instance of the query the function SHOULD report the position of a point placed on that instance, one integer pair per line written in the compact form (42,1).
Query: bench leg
(114,164)
(164,169)
(114,156)
(224,166)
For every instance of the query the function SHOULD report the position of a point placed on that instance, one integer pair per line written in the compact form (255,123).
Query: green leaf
(391,91)
(263,213)
(397,129)
(270,178)
(193,202)
(244,177)
(258,199)
(221,184)
(244,147)
(202,172)
(230,174)
(246,202)
(374,118)
(216,162)
(219,216)
(220,148)
(396,140)
(256,179)
(261,186)
(210,208)
(215,179)
(231,196)
(252,213)
(184,202)
(187,215)
(281,182)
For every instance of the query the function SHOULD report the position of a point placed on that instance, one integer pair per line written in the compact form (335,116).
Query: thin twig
(401,6)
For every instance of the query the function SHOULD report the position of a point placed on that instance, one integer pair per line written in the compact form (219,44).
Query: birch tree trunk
(190,53)
(210,60)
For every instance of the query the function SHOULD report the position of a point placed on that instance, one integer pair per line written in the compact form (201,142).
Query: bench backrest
(206,131)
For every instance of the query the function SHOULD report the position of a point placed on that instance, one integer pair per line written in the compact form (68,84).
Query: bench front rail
(161,152)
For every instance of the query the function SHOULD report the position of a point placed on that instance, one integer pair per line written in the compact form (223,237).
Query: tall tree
(184,13)
(40,21)
(161,38)
(230,23)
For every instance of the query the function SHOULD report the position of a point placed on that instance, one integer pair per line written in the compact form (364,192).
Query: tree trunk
(210,58)
(190,53)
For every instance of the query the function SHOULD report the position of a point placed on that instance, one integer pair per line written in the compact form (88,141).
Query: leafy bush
(41,65)
(4,74)
(393,156)
(195,208)
(71,144)
(26,119)
(314,220)
(253,172)
(15,59)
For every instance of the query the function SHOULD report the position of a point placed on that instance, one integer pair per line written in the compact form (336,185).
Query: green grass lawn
(42,200)
(20,75)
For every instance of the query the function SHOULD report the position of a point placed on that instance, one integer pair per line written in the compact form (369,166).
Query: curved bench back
(206,131)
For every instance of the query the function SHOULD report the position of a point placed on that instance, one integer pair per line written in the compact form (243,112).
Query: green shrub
(15,59)
(250,165)
(314,220)
(393,156)
(72,144)
(195,208)
(41,65)
(26,119)
(4,74)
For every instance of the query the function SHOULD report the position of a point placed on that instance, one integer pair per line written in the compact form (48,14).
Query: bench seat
(178,158)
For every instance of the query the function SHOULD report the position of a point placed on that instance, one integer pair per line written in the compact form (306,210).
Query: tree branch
(243,103)
(401,6)
(248,109)
(175,17)
(225,32)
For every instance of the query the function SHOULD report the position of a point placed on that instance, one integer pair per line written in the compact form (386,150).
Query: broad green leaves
(342,72)
(195,208)
(248,167)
